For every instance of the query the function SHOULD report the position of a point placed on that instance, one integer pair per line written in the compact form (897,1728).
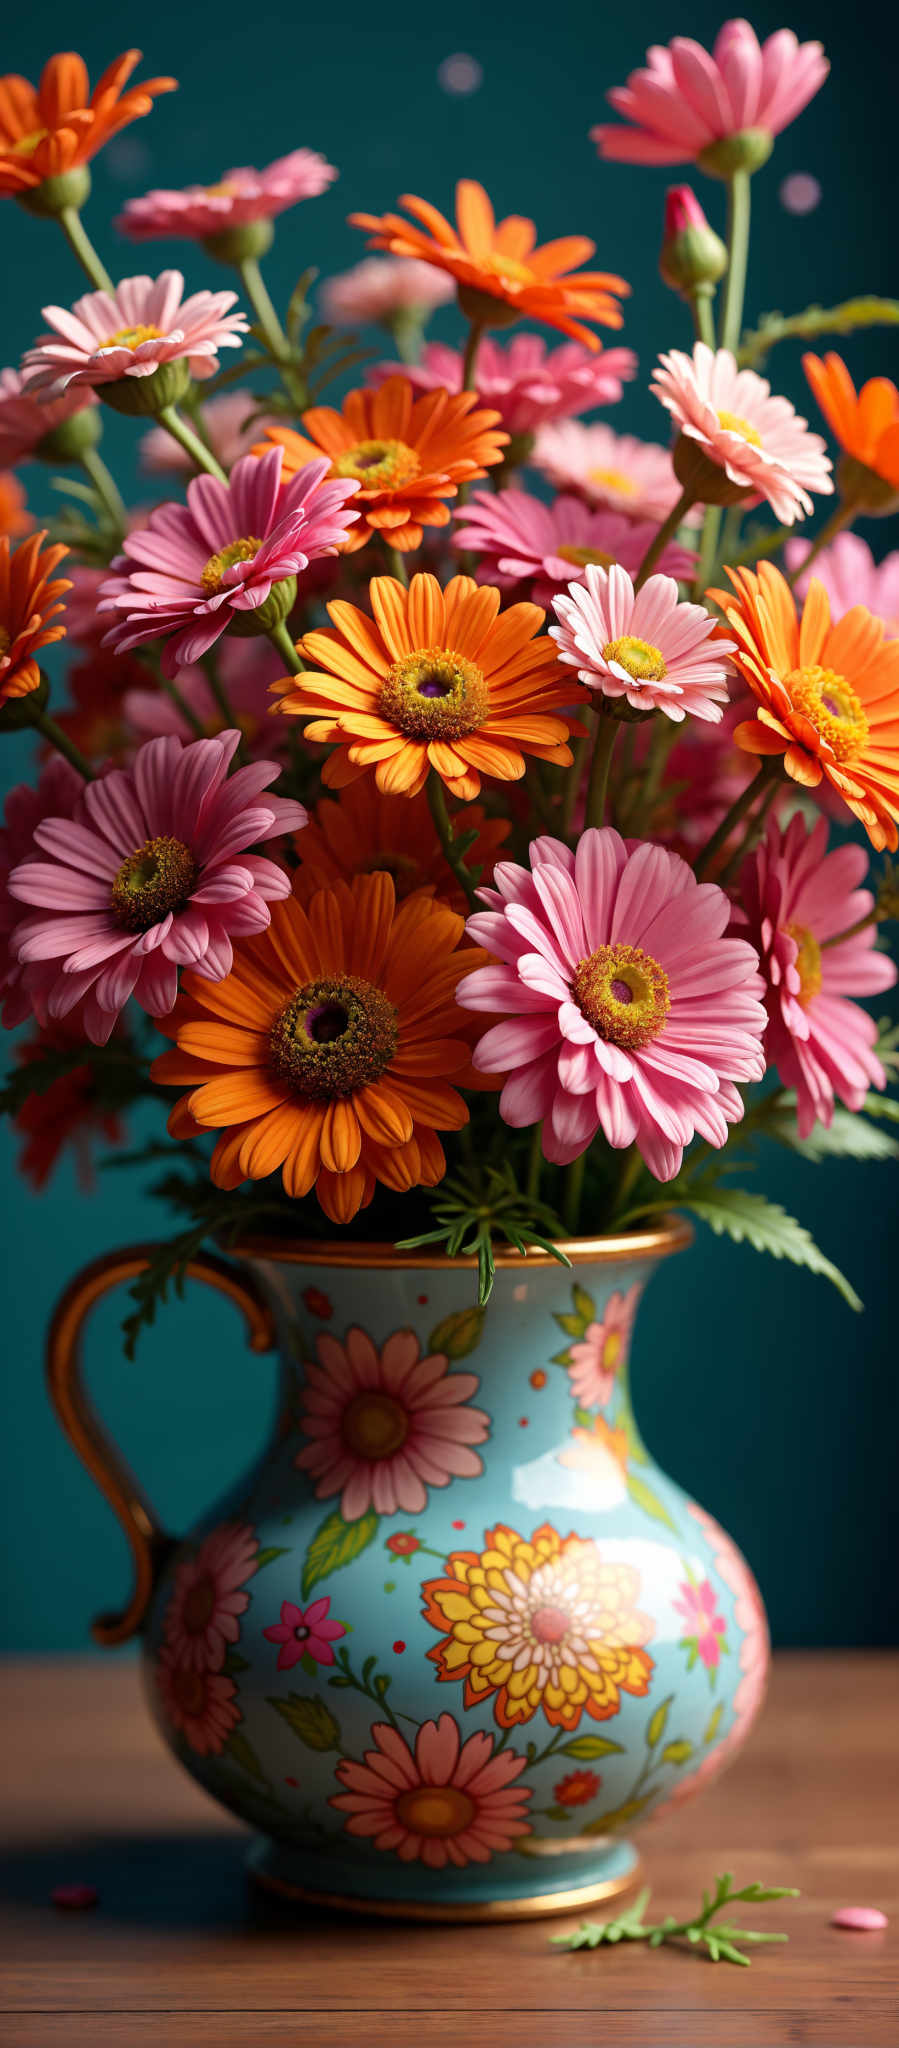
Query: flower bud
(18,713)
(69,441)
(485,309)
(706,481)
(243,243)
(693,257)
(748,150)
(69,190)
(864,488)
(146,397)
(277,607)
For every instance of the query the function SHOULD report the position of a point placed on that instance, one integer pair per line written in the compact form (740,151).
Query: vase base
(297,1873)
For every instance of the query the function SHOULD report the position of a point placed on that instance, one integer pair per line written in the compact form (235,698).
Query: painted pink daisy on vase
(526,382)
(152,873)
(444,1802)
(657,653)
(705,1633)
(231,424)
(850,576)
(305,1632)
(630,476)
(518,539)
(132,333)
(247,668)
(753,1657)
(736,440)
(31,426)
(795,899)
(721,111)
(241,197)
(627,1008)
(199,1704)
(56,795)
(381,287)
(231,554)
(383,1426)
(208,1597)
(596,1359)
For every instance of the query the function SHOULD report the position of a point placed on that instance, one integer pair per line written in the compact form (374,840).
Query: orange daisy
(15,518)
(28,600)
(408,453)
(866,424)
(50,129)
(365,829)
(326,1050)
(827,695)
(500,273)
(437,679)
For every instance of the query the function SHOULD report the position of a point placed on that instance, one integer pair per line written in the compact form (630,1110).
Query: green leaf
(848,1137)
(311,1720)
(734,1213)
(561,1358)
(234,1664)
(458,1334)
(643,1497)
(714,1722)
(268,1556)
(584,1303)
(886,1106)
(558,1812)
(335,1544)
(617,1817)
(242,1752)
(573,1326)
(677,1752)
(656,1728)
(587,1747)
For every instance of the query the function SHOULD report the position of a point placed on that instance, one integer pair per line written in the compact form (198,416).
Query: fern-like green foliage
(474,1209)
(718,1942)
(866,311)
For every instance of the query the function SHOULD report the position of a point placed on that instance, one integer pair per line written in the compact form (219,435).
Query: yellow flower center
(334,1036)
(222,190)
(434,694)
(155,879)
(435,1810)
(131,337)
(583,557)
(613,480)
(832,707)
(374,1425)
(735,424)
(611,1351)
(642,660)
(623,993)
(807,962)
(27,144)
(236,551)
(378,465)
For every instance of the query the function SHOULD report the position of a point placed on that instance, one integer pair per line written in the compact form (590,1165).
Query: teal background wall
(757,1388)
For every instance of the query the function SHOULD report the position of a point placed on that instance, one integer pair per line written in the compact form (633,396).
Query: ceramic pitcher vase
(455,1637)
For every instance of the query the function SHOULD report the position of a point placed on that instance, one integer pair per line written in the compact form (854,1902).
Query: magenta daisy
(627,1008)
(151,873)
(56,795)
(305,1632)
(29,425)
(132,333)
(796,898)
(230,554)
(199,1704)
(527,383)
(706,1630)
(241,196)
(850,576)
(380,287)
(225,425)
(208,1597)
(759,443)
(383,1426)
(445,1801)
(719,110)
(659,654)
(595,1360)
(518,539)
(630,476)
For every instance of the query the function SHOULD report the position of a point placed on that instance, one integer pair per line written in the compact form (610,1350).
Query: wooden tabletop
(180,1951)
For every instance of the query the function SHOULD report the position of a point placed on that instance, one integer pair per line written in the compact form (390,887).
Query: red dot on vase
(523,1421)
(399,1648)
(291,1781)
(422,1300)
(458,1525)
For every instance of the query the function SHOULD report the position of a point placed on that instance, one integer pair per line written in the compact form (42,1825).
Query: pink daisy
(706,1628)
(26,422)
(761,444)
(523,380)
(850,576)
(201,211)
(795,899)
(446,1801)
(304,1633)
(195,568)
(57,794)
(150,874)
(247,668)
(199,1704)
(596,1359)
(144,324)
(208,1597)
(754,1657)
(380,287)
(519,539)
(225,420)
(687,101)
(630,476)
(658,653)
(383,1426)
(627,1009)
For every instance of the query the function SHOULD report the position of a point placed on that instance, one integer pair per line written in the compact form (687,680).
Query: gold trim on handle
(101,1457)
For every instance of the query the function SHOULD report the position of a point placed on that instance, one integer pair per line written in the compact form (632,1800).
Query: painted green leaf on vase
(656,1728)
(458,1334)
(336,1543)
(310,1719)
(587,1747)
(618,1816)
(677,1752)
(264,1557)
(643,1497)
(241,1751)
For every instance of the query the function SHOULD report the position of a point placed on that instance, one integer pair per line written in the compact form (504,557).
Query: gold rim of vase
(670,1234)
(538,1905)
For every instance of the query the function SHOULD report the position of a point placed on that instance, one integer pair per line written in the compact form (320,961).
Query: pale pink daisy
(208,1597)
(754,1657)
(795,899)
(686,104)
(760,443)
(706,1629)
(850,576)
(247,668)
(381,287)
(596,1359)
(305,1632)
(659,654)
(527,383)
(445,1801)
(56,795)
(627,1008)
(630,476)
(146,323)
(27,423)
(231,424)
(199,1704)
(519,539)
(241,196)
(383,1426)
(151,873)
(195,568)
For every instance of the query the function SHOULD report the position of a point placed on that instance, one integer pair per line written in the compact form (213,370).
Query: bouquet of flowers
(445,780)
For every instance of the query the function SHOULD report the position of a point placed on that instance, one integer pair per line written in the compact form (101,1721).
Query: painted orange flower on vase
(51,128)
(540,1624)
(866,424)
(29,599)
(500,261)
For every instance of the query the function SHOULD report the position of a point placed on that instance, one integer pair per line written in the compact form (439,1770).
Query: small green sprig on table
(719,1942)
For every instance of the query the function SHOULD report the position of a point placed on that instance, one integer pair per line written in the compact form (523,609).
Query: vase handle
(149,1542)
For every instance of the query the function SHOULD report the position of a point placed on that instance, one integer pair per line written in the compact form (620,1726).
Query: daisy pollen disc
(435,694)
(154,880)
(623,993)
(334,1036)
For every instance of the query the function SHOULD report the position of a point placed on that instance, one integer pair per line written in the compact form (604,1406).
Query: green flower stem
(105,486)
(841,518)
(663,739)
(738,212)
(666,532)
(701,308)
(571,1202)
(201,456)
(257,293)
(607,730)
(82,247)
(187,712)
(535,1164)
(470,358)
(708,550)
(444,829)
(753,833)
(628,1175)
(397,565)
(49,730)
(573,780)
(738,810)
(281,641)
(210,669)
(861,925)
(758,549)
